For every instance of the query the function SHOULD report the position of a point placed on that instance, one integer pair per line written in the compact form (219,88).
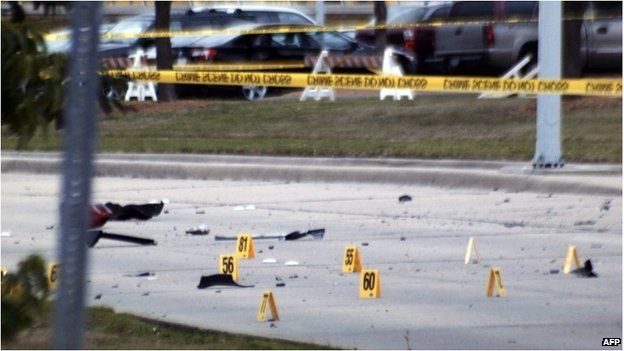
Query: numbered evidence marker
(495,278)
(472,247)
(267,299)
(53,275)
(370,284)
(571,256)
(351,261)
(228,264)
(245,246)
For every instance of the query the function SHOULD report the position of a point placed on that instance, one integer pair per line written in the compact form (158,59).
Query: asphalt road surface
(430,299)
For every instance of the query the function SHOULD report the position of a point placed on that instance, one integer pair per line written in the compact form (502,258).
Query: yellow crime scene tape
(598,87)
(239,67)
(302,29)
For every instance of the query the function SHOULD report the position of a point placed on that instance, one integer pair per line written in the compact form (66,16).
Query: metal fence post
(80,124)
(548,138)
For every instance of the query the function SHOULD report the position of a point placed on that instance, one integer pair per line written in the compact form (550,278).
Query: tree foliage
(33,93)
(32,82)
(23,296)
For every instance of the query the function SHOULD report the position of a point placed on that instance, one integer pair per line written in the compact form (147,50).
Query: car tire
(254,92)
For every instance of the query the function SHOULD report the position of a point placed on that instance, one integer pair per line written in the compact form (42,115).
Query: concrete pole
(320,12)
(80,117)
(548,141)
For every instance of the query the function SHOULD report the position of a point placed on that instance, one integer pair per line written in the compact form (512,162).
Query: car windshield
(408,16)
(128,26)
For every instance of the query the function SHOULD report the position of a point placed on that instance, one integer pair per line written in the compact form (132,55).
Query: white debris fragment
(5,234)
(269,260)
(291,263)
(244,208)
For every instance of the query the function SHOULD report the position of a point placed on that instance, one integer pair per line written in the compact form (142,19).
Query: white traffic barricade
(392,68)
(317,93)
(514,72)
(138,89)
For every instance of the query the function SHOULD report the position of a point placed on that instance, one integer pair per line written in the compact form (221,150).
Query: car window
(129,26)
(291,18)
(327,40)
(175,25)
(439,14)
(520,9)
(472,10)
(255,16)
(198,23)
(286,40)
(606,9)
(408,16)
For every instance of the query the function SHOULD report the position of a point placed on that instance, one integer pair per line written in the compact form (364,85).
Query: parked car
(260,14)
(499,44)
(345,54)
(417,41)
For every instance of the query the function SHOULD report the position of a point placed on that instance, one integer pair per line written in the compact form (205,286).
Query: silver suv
(500,45)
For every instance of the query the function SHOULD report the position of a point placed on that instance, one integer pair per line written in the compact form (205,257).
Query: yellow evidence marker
(267,299)
(495,278)
(53,275)
(351,261)
(472,247)
(571,256)
(370,284)
(4,271)
(228,264)
(245,246)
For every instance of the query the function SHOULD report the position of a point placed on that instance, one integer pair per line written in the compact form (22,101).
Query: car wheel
(254,92)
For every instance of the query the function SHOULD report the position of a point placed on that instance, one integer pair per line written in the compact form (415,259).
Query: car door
(464,33)
(604,34)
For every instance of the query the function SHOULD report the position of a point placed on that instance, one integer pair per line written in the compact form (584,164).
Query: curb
(446,173)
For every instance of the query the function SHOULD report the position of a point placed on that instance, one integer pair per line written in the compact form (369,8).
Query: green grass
(459,127)
(109,330)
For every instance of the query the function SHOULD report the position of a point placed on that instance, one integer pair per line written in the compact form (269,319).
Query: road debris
(405,198)
(291,263)
(97,297)
(200,230)
(606,206)
(269,260)
(513,224)
(280,285)
(207,281)
(200,212)
(5,234)
(587,271)
(141,212)
(314,233)
(588,222)
(94,235)
(244,208)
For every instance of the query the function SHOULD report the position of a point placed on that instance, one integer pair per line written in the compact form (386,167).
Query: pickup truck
(496,35)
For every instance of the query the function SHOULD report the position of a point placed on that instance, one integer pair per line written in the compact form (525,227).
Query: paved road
(430,299)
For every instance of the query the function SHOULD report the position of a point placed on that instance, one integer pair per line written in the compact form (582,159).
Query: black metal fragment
(94,235)
(207,281)
(587,271)
(405,198)
(141,212)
